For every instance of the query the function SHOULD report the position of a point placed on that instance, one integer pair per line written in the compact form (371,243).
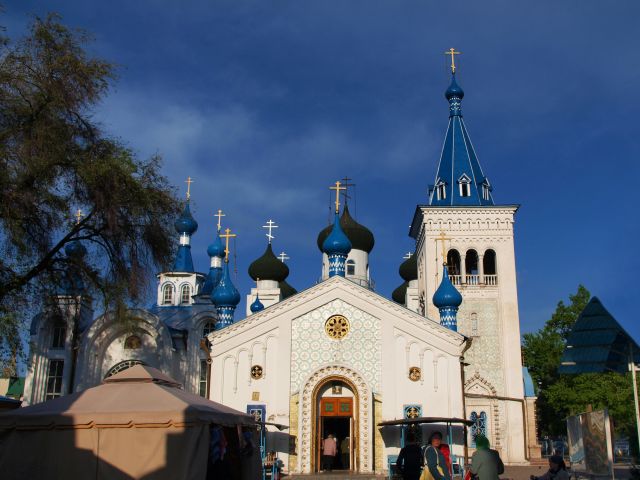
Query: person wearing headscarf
(557,470)
(485,462)
(434,459)
(410,460)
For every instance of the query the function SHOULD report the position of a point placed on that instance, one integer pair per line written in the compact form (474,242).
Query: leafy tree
(55,159)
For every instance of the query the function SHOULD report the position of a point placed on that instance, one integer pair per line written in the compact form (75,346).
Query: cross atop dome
(270,225)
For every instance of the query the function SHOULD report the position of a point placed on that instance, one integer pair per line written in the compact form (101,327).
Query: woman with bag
(435,463)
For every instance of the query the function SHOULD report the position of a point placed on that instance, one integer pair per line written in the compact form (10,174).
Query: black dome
(268,267)
(409,269)
(399,295)
(360,236)
(286,290)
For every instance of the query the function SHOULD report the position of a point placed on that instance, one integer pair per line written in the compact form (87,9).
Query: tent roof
(137,397)
(597,343)
(424,420)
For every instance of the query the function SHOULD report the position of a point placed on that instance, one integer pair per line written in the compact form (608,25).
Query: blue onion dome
(286,290)
(268,267)
(75,249)
(454,90)
(409,269)
(216,249)
(186,223)
(337,243)
(256,306)
(360,236)
(446,295)
(225,294)
(399,295)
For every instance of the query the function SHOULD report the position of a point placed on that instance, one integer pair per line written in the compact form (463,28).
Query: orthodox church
(337,357)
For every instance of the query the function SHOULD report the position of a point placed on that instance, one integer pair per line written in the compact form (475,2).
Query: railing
(456,279)
(472,279)
(491,279)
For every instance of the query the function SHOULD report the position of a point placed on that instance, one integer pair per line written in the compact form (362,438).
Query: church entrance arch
(336,400)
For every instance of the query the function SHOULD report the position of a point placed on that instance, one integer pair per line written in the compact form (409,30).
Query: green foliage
(56,159)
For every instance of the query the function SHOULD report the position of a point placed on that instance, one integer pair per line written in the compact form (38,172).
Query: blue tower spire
(225,295)
(185,226)
(337,245)
(447,299)
(460,179)
(216,256)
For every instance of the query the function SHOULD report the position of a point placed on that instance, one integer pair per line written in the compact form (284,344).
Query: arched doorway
(335,402)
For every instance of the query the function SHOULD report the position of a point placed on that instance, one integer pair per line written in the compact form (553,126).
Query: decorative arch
(363,414)
(167,293)
(478,384)
(119,367)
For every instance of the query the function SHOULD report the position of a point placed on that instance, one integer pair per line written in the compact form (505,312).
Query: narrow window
(208,328)
(474,324)
(59,334)
(54,379)
(441,192)
(185,294)
(167,295)
(465,190)
(204,378)
(479,426)
(351,267)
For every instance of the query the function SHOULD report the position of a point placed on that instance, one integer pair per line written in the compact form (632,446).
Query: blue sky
(266,103)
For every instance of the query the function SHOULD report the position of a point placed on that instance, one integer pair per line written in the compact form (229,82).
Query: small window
(54,379)
(59,334)
(133,342)
(351,267)
(479,426)
(208,328)
(465,186)
(485,192)
(167,295)
(204,378)
(185,294)
(441,191)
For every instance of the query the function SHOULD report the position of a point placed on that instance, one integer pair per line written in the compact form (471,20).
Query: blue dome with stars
(256,306)
(337,243)
(216,249)
(186,223)
(225,294)
(446,295)
(454,90)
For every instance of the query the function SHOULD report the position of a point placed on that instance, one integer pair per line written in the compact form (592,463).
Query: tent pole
(632,366)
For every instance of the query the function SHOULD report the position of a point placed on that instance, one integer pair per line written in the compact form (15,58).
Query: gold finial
(188,181)
(442,238)
(227,235)
(452,52)
(78,216)
(338,188)
(219,215)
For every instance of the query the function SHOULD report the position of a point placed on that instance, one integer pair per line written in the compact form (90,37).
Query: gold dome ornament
(415,374)
(256,372)
(337,327)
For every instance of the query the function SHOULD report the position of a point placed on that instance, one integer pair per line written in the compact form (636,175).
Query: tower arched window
(185,294)
(479,426)
(351,267)
(453,262)
(464,183)
(58,334)
(471,266)
(207,328)
(489,262)
(441,190)
(167,294)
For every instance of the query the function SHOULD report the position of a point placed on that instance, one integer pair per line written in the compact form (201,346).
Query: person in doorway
(557,470)
(410,459)
(434,459)
(485,462)
(344,452)
(329,450)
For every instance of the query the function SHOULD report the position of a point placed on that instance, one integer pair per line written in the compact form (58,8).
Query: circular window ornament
(415,374)
(337,327)
(256,372)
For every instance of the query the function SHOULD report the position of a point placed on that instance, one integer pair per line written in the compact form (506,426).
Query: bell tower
(462,227)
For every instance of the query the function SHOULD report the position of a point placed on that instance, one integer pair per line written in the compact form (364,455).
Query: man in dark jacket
(410,459)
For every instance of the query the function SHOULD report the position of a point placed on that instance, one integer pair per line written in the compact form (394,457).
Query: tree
(55,160)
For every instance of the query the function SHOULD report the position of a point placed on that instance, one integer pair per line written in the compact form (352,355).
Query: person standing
(344,452)
(557,470)
(328,452)
(485,462)
(434,459)
(410,460)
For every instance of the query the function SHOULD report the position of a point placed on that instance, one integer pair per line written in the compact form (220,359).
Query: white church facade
(337,357)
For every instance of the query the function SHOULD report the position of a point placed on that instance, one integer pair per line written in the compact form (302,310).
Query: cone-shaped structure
(460,179)
(447,299)
(268,267)
(226,298)
(337,246)
(186,226)
(257,305)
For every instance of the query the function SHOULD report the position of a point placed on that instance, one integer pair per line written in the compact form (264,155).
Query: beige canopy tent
(137,424)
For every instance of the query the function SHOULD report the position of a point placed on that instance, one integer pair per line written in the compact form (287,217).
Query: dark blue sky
(267,103)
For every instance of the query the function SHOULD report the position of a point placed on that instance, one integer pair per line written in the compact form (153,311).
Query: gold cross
(338,189)
(78,216)
(188,181)
(443,238)
(227,235)
(452,52)
(219,215)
